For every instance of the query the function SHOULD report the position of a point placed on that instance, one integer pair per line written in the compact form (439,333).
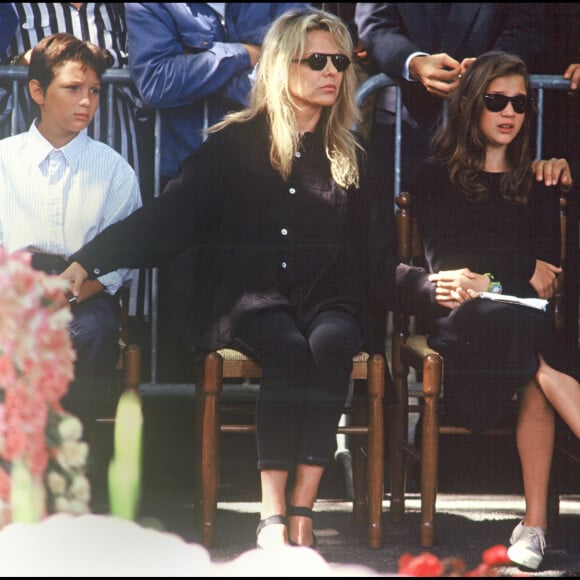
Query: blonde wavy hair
(284,42)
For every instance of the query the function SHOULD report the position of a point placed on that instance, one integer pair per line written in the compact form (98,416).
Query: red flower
(496,555)
(425,564)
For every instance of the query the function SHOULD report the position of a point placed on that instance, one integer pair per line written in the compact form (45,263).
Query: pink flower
(4,485)
(36,368)
(7,371)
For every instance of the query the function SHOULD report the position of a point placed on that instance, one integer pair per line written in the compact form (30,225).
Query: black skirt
(491,352)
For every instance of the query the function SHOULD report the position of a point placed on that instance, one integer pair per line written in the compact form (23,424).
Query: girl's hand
(545,280)
(454,287)
(454,298)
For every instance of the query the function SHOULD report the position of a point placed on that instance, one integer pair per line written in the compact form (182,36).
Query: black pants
(305,382)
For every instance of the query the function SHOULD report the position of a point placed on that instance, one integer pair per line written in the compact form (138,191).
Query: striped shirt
(55,200)
(103,24)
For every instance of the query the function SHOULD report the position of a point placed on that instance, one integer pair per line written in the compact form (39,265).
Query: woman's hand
(76,276)
(553,171)
(545,279)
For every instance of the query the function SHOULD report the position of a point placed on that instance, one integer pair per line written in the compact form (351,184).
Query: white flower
(73,454)
(56,483)
(81,488)
(62,505)
(70,428)
(78,508)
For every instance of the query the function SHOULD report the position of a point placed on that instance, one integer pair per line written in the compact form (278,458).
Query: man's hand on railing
(573,74)
(22,59)
(553,171)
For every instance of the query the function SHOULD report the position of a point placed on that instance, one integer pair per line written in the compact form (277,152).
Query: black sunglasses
(496,103)
(318,60)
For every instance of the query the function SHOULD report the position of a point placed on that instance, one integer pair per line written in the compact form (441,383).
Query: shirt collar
(40,147)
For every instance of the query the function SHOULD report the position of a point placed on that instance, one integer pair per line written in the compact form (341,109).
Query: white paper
(537,303)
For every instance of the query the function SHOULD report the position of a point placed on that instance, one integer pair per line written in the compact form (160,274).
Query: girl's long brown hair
(462,145)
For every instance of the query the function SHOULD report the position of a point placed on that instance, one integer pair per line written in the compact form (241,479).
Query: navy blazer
(391,31)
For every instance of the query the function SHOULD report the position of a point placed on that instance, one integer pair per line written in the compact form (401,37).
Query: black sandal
(303,512)
(268,522)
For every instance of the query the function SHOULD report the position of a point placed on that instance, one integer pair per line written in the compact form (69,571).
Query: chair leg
(398,424)
(432,375)
(198,435)
(375,462)
(210,454)
(359,459)
(131,366)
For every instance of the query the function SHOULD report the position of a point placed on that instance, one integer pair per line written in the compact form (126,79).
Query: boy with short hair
(59,188)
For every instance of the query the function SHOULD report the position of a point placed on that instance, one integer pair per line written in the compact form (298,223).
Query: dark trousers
(94,333)
(305,382)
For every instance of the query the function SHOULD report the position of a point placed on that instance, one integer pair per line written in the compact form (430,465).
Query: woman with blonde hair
(275,195)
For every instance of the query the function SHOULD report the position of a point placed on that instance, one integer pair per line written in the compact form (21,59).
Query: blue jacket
(8,24)
(185,62)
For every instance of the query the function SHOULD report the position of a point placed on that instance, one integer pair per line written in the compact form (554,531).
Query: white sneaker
(527,546)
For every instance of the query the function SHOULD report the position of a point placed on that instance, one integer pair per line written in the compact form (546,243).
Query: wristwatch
(494,285)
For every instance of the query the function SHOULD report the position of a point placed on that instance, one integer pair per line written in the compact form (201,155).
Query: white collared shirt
(56,200)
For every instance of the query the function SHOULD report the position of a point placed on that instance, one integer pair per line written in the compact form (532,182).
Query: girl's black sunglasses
(318,60)
(495,103)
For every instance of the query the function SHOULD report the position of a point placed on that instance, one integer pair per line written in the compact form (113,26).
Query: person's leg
(334,337)
(303,494)
(563,392)
(273,338)
(273,483)
(94,333)
(535,441)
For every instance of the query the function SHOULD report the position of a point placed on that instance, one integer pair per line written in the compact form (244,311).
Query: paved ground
(478,505)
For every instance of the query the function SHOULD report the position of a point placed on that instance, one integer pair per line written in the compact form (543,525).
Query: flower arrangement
(42,457)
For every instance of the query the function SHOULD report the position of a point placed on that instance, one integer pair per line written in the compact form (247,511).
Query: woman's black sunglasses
(318,60)
(496,103)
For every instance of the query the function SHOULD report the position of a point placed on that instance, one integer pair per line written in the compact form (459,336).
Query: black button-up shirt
(297,244)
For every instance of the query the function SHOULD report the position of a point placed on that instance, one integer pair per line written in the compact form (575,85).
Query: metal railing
(379,81)
(18,75)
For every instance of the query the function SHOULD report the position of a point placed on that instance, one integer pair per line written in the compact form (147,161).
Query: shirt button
(298,154)
(292,191)
(284,265)
(284,231)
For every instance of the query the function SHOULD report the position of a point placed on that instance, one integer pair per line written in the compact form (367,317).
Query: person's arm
(8,25)
(173,61)
(184,214)
(382,32)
